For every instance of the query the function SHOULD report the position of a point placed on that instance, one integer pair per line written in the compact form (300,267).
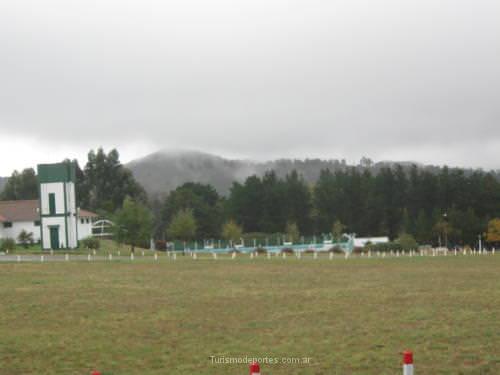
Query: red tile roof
(26,210)
(85,213)
(19,210)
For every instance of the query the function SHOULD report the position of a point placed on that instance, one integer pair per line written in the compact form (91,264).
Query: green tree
(205,203)
(493,233)
(338,230)
(22,185)
(292,232)
(133,223)
(407,242)
(231,231)
(25,238)
(7,244)
(107,182)
(443,229)
(182,226)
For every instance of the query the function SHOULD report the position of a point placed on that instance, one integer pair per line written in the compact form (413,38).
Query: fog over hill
(3,181)
(163,171)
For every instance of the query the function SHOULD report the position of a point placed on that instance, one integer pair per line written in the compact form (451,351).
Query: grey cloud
(260,79)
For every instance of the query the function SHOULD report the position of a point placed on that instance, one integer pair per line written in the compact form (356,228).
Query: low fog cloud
(259,79)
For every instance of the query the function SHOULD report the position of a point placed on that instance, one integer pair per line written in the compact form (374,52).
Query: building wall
(53,221)
(58,189)
(17,227)
(85,228)
(64,207)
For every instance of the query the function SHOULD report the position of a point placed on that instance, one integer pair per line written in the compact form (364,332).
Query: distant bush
(7,244)
(261,250)
(287,250)
(336,250)
(358,250)
(90,243)
(161,245)
(25,238)
(407,242)
(384,247)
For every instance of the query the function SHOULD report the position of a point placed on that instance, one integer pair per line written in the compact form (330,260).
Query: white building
(361,242)
(16,216)
(54,220)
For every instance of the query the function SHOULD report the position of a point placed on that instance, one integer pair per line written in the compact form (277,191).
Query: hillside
(163,171)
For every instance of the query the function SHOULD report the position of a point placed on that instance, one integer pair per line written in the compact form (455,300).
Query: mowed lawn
(350,316)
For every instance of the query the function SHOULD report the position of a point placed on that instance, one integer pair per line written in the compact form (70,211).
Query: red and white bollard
(407,363)
(96,372)
(254,369)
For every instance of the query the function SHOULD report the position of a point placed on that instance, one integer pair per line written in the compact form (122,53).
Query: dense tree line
(432,205)
(447,206)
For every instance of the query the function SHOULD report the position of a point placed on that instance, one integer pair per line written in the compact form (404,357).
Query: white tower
(58,214)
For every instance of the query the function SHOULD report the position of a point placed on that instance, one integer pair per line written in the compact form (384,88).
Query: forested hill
(163,171)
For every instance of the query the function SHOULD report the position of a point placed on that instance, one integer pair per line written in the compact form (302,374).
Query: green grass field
(348,316)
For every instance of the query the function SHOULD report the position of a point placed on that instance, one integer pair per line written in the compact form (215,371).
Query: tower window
(52,203)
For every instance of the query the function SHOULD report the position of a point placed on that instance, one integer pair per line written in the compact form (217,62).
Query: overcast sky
(388,79)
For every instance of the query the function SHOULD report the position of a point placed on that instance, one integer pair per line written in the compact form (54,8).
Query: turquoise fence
(221,246)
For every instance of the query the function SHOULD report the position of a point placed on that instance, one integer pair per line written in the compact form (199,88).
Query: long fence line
(157,256)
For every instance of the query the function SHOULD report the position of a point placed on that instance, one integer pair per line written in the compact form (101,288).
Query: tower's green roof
(60,172)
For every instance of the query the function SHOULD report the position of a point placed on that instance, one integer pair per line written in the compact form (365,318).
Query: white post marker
(407,363)
(315,256)
(174,256)
(110,257)
(299,254)
(42,258)
(268,255)
(195,256)
(89,258)
(66,257)
(254,369)
(493,251)
(346,255)
(143,253)
(214,255)
(131,256)
(94,252)
(118,252)
(251,255)
(233,256)
(156,256)
(331,255)
(19,258)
